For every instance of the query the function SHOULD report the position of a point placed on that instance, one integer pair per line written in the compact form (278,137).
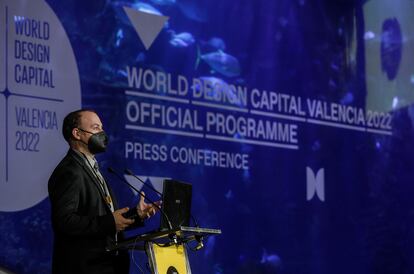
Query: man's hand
(121,222)
(146,210)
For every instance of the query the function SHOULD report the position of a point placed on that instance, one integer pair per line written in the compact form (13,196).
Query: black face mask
(97,142)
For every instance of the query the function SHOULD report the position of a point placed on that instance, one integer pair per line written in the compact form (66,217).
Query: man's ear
(76,134)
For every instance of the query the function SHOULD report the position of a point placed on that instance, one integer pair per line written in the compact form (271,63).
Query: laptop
(176,203)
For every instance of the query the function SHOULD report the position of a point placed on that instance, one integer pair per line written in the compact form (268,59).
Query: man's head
(83,130)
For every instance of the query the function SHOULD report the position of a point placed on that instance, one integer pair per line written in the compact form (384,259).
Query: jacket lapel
(94,179)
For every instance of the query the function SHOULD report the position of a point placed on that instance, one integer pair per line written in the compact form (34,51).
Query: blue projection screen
(292,119)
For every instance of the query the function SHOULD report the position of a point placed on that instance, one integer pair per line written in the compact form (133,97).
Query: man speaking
(85,216)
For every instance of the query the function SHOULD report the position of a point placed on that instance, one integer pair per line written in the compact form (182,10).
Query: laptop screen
(176,203)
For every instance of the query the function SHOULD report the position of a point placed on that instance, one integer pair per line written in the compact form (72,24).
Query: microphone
(111,170)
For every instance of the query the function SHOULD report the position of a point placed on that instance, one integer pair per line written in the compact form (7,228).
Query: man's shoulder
(71,158)
(69,173)
(69,163)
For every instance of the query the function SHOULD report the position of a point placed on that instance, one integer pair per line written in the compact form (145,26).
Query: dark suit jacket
(83,223)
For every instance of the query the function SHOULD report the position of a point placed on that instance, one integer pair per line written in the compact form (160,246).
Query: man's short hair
(71,121)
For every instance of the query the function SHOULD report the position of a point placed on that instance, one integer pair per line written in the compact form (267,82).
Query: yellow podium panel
(169,259)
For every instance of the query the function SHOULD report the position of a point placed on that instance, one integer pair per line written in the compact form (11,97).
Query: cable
(133,257)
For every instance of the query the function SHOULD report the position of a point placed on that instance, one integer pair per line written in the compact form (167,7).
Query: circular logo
(172,270)
(38,86)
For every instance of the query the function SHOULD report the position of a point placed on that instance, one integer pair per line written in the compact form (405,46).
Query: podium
(167,249)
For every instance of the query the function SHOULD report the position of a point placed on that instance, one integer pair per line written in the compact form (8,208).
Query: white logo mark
(315,184)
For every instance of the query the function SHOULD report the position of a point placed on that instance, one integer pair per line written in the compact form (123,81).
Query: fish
(368,35)
(181,40)
(220,62)
(144,7)
(210,245)
(164,2)
(194,10)
(395,102)
(119,37)
(140,57)
(215,43)
(347,99)
(229,194)
(271,259)
(219,88)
